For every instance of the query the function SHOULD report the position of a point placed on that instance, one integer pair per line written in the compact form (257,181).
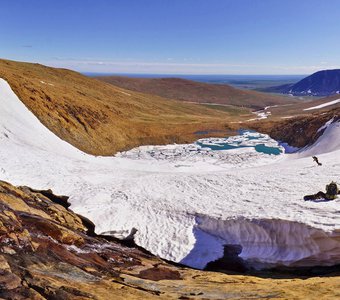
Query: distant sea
(249,82)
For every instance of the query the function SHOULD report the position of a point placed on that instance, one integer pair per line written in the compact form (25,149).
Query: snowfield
(324,105)
(186,201)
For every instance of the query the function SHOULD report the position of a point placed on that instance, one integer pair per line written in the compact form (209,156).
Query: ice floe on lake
(244,150)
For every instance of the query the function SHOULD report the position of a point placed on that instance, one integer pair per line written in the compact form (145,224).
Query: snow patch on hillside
(262,114)
(329,141)
(323,105)
(264,242)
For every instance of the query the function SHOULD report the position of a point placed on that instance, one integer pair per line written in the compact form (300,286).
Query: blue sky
(174,36)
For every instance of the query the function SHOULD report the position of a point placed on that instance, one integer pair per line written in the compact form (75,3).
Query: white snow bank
(20,127)
(262,114)
(324,105)
(265,242)
(183,203)
(329,141)
(323,127)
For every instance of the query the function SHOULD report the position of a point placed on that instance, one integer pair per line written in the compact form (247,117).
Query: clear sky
(174,36)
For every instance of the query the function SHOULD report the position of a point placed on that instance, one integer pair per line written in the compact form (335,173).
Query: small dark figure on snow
(331,193)
(317,161)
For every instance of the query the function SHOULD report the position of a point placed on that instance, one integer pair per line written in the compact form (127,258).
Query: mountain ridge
(198,92)
(320,84)
(102,119)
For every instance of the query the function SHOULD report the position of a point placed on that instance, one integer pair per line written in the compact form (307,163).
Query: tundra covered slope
(193,91)
(102,119)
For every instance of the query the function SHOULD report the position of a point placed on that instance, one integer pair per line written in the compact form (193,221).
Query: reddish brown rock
(46,252)
(299,131)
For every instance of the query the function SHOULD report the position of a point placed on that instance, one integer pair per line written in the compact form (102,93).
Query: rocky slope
(298,131)
(48,252)
(101,119)
(187,90)
(321,84)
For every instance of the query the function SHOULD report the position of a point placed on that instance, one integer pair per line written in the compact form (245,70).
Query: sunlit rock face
(46,251)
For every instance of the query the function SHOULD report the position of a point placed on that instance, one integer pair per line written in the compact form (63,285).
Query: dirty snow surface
(187,201)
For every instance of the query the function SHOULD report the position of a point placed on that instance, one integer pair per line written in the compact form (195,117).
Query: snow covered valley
(188,201)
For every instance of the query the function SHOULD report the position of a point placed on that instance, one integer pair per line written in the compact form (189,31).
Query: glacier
(186,201)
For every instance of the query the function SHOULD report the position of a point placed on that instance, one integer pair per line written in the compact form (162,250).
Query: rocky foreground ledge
(49,252)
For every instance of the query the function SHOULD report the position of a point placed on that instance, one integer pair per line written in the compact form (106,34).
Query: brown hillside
(102,119)
(300,130)
(300,108)
(192,91)
(295,125)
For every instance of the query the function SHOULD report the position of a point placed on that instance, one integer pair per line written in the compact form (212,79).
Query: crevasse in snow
(186,205)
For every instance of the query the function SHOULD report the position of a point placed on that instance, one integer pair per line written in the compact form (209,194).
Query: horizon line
(78,63)
(185,74)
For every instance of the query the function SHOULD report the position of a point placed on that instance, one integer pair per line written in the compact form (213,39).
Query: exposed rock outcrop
(46,252)
(299,131)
